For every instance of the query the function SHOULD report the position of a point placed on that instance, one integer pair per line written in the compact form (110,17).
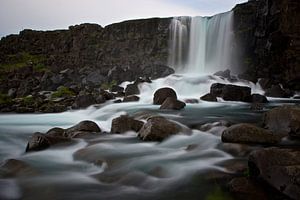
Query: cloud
(16,15)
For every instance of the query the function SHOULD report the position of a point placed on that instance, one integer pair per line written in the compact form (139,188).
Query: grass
(63,92)
(108,86)
(23,59)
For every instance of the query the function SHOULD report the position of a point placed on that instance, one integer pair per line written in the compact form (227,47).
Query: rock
(278,167)
(257,98)
(84,126)
(230,92)
(257,106)
(191,101)
(265,83)
(209,97)
(100,99)
(16,168)
(224,74)
(277,91)
(125,123)
(118,101)
(283,120)
(172,104)
(131,98)
(158,128)
(40,141)
(162,94)
(56,132)
(132,89)
(247,133)
(107,95)
(247,189)
(116,88)
(84,101)
(12,92)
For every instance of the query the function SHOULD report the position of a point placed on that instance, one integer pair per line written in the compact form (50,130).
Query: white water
(201,45)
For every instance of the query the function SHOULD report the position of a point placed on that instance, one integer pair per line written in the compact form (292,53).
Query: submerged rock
(13,168)
(283,120)
(162,94)
(247,133)
(125,123)
(230,92)
(278,167)
(158,128)
(131,98)
(173,104)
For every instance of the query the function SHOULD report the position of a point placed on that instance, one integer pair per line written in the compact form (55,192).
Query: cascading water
(201,44)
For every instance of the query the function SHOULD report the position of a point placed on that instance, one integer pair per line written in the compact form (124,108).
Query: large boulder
(277,91)
(125,123)
(83,101)
(258,98)
(162,94)
(230,92)
(283,120)
(86,126)
(158,128)
(40,141)
(132,89)
(248,133)
(172,104)
(278,167)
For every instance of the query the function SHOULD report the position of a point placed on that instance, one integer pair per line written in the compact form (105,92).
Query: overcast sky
(16,15)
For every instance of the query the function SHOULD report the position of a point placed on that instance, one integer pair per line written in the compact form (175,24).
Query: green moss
(23,59)
(108,86)
(4,99)
(63,92)
(28,100)
(218,194)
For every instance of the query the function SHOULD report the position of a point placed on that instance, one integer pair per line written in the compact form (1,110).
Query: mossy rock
(5,99)
(63,92)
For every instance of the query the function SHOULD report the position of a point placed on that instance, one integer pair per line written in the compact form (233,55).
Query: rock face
(278,167)
(125,123)
(41,141)
(162,94)
(283,120)
(158,129)
(268,34)
(247,133)
(230,92)
(173,104)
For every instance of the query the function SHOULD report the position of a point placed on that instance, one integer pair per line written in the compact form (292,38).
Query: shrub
(108,86)
(63,92)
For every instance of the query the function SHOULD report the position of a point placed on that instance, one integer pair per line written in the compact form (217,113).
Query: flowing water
(185,166)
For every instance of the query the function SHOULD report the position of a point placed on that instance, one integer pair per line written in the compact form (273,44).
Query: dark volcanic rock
(173,104)
(125,123)
(230,92)
(209,97)
(85,126)
(84,101)
(162,94)
(224,74)
(116,88)
(14,168)
(131,98)
(158,128)
(277,91)
(257,98)
(56,132)
(283,120)
(278,167)
(247,133)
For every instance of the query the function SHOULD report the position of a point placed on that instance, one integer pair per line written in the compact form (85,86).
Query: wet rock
(125,123)
(224,74)
(162,94)
(191,101)
(56,132)
(283,120)
(247,189)
(14,168)
(230,92)
(172,104)
(84,101)
(158,128)
(131,98)
(116,88)
(40,141)
(132,89)
(265,83)
(278,167)
(118,101)
(209,97)
(247,133)
(277,91)
(84,126)
(107,95)
(257,98)
(257,106)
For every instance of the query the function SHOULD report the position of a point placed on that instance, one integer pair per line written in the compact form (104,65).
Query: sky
(16,15)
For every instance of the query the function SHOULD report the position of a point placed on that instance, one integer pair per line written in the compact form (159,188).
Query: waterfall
(201,44)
